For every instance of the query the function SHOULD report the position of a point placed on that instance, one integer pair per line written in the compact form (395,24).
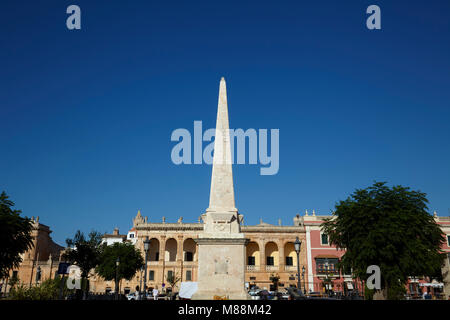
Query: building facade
(270,253)
(40,262)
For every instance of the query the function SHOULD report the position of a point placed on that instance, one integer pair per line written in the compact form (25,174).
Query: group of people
(151,292)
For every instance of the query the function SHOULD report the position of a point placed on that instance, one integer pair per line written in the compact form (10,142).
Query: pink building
(322,259)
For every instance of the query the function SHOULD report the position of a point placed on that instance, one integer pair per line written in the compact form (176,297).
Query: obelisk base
(221,268)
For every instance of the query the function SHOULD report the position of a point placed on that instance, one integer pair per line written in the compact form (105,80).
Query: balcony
(290,268)
(271,268)
(252,268)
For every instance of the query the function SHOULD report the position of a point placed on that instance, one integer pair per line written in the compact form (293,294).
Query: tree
(172,279)
(15,236)
(47,290)
(390,228)
(85,253)
(130,261)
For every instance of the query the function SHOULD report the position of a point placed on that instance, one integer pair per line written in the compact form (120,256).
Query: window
(324,239)
(151,275)
(169,274)
(188,275)
(251,261)
(448,240)
(252,278)
(131,235)
(270,261)
(289,261)
(332,265)
(188,256)
(156,256)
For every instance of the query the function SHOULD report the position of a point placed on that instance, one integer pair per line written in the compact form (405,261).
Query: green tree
(15,236)
(172,279)
(130,261)
(388,227)
(47,290)
(85,253)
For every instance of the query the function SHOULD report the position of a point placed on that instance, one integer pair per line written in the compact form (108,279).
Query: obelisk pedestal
(221,245)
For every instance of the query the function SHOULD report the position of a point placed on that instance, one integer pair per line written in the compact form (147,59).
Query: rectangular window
(131,235)
(324,238)
(252,278)
(269,261)
(156,256)
(151,275)
(188,256)
(448,240)
(188,275)
(289,261)
(251,261)
(169,274)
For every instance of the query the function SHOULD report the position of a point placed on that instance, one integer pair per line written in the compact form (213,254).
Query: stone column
(162,257)
(281,258)
(262,255)
(180,256)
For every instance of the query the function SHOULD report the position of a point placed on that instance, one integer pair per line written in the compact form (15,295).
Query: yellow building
(269,252)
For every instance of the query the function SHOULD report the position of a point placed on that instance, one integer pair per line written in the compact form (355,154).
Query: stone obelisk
(221,245)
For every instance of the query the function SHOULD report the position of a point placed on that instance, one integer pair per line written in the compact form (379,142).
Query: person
(155,293)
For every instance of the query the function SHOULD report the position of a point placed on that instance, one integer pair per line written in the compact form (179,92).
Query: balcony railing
(252,268)
(290,268)
(271,268)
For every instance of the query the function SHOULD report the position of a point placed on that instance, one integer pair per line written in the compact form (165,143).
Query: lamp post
(297,246)
(326,275)
(38,274)
(146,248)
(140,282)
(304,281)
(117,278)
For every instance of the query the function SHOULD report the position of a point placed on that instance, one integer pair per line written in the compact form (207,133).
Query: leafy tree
(85,253)
(130,261)
(47,290)
(14,280)
(15,236)
(388,227)
(172,279)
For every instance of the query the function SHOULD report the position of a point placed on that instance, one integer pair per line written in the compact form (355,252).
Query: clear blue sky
(86,116)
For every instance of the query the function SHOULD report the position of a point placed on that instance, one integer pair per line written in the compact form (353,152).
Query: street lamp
(146,248)
(297,246)
(304,280)
(117,278)
(38,274)
(326,274)
(140,282)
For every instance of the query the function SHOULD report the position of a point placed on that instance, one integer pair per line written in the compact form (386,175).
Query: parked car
(295,294)
(283,294)
(133,296)
(254,294)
